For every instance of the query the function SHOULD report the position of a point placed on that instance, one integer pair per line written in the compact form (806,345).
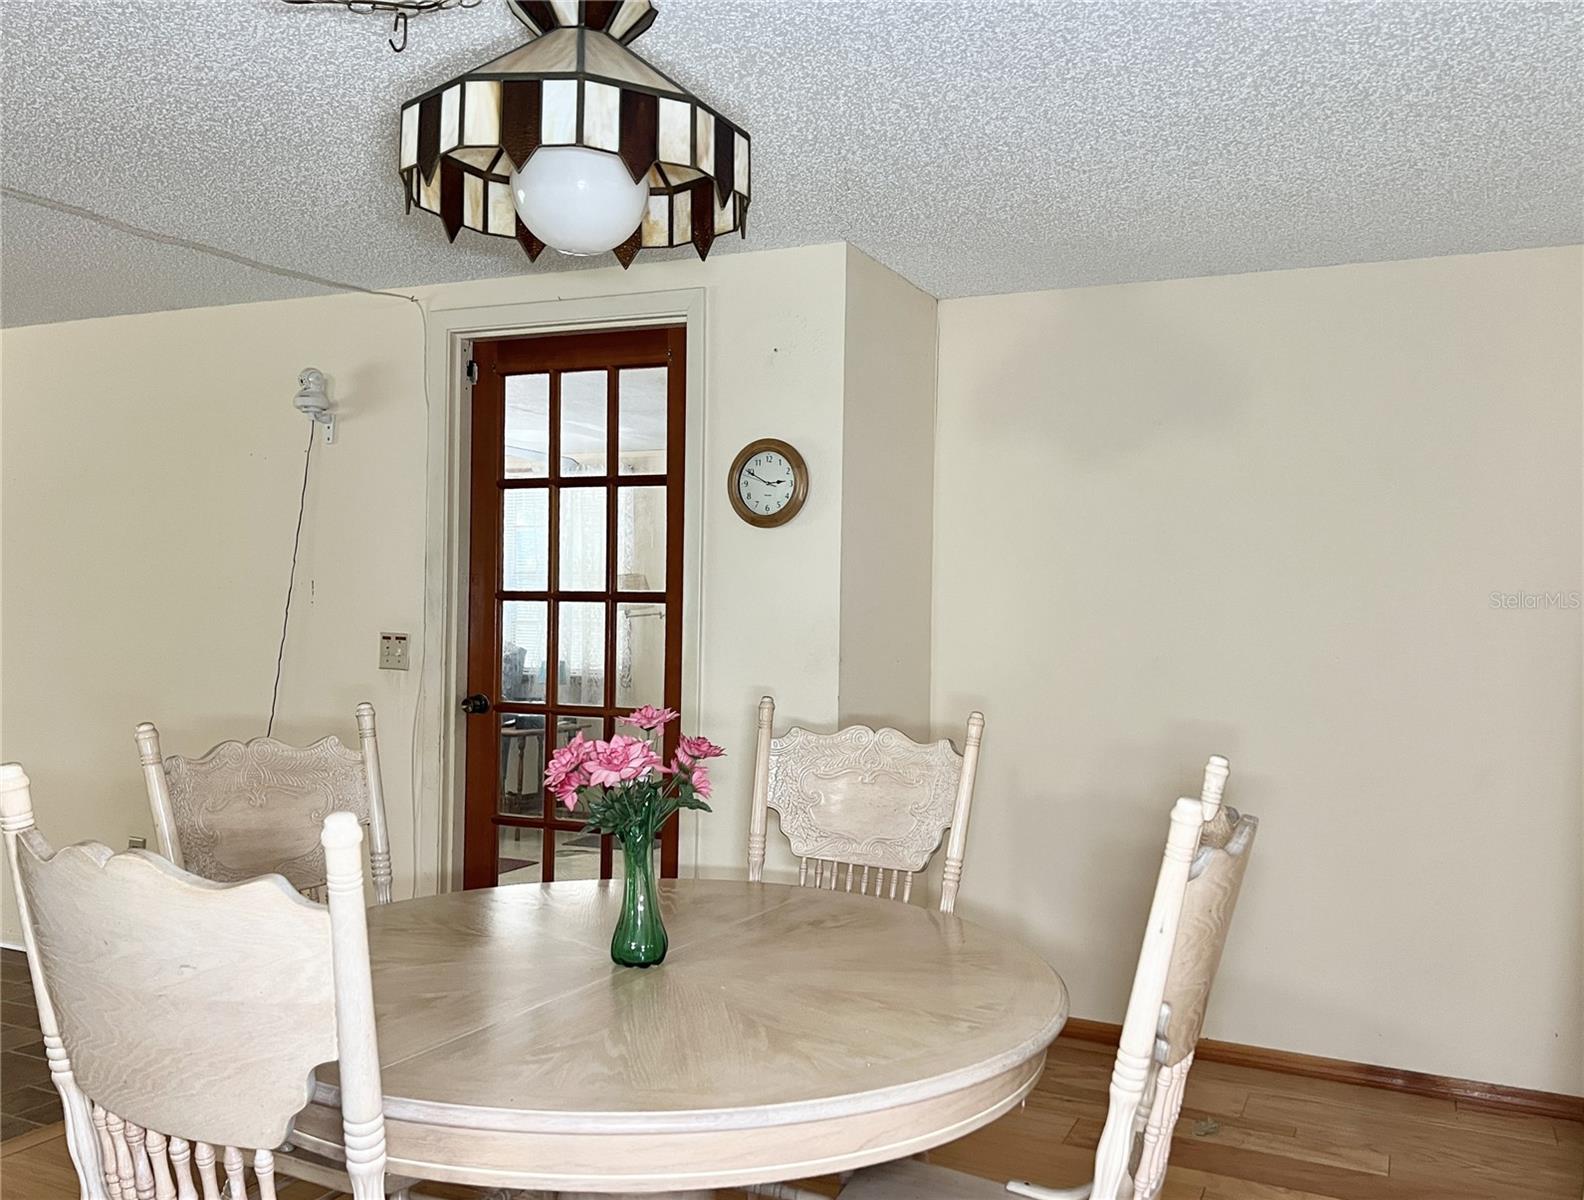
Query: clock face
(768,482)
(765,483)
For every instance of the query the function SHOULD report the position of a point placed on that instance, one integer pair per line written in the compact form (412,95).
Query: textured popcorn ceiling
(983,147)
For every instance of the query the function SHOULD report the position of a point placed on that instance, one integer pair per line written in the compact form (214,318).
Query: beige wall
(149,475)
(150,472)
(1259,515)
(1263,515)
(888,488)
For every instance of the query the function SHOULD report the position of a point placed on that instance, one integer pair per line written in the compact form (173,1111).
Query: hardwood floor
(1245,1134)
(1248,1134)
(27,1098)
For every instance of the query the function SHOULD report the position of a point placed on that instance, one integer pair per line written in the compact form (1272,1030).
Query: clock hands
(767,482)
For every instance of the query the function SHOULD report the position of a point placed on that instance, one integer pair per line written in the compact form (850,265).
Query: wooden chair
(254,808)
(1207,849)
(183,1019)
(858,803)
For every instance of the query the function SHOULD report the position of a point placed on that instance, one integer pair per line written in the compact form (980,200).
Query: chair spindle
(181,1164)
(164,1183)
(236,1174)
(142,1169)
(204,1158)
(125,1183)
(106,1152)
(264,1171)
(759,814)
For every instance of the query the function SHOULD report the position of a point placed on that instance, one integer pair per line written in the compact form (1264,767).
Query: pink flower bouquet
(623,786)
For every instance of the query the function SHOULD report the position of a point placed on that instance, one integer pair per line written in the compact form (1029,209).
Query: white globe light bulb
(578,201)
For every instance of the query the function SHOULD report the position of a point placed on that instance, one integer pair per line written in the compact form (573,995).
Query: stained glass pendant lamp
(574,142)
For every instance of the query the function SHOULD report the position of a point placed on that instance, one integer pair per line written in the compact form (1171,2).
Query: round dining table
(790,1032)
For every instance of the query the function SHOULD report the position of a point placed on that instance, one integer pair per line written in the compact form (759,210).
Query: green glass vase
(640,938)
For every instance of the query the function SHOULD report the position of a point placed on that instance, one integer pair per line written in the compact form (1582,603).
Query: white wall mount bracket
(313,399)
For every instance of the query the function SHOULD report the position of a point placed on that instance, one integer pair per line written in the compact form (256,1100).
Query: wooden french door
(575,588)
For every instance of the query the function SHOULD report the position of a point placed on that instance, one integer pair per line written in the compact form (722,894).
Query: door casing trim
(437,834)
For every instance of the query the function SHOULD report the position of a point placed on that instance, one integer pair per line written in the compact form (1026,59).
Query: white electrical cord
(291,579)
(170,239)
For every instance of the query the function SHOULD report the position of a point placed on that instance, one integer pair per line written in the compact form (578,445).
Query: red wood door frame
(553,354)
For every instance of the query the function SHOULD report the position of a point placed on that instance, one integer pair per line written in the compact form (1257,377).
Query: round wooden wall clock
(768,483)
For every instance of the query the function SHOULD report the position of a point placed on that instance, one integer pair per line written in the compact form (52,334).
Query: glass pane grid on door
(581,595)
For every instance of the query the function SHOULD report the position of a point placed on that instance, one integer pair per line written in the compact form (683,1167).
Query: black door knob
(477,703)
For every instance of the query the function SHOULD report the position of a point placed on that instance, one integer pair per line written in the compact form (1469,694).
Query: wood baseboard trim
(1340,1070)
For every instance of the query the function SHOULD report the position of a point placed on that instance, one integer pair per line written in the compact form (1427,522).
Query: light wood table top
(789,1032)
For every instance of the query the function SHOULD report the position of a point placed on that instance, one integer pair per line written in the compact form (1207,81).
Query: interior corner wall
(888,484)
(1262,515)
(149,479)
(1280,517)
(150,476)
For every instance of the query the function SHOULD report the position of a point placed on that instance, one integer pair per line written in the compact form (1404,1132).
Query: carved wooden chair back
(183,1019)
(254,808)
(1215,878)
(859,805)
(1207,850)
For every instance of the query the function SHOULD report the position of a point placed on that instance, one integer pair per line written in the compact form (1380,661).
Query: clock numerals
(766,483)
